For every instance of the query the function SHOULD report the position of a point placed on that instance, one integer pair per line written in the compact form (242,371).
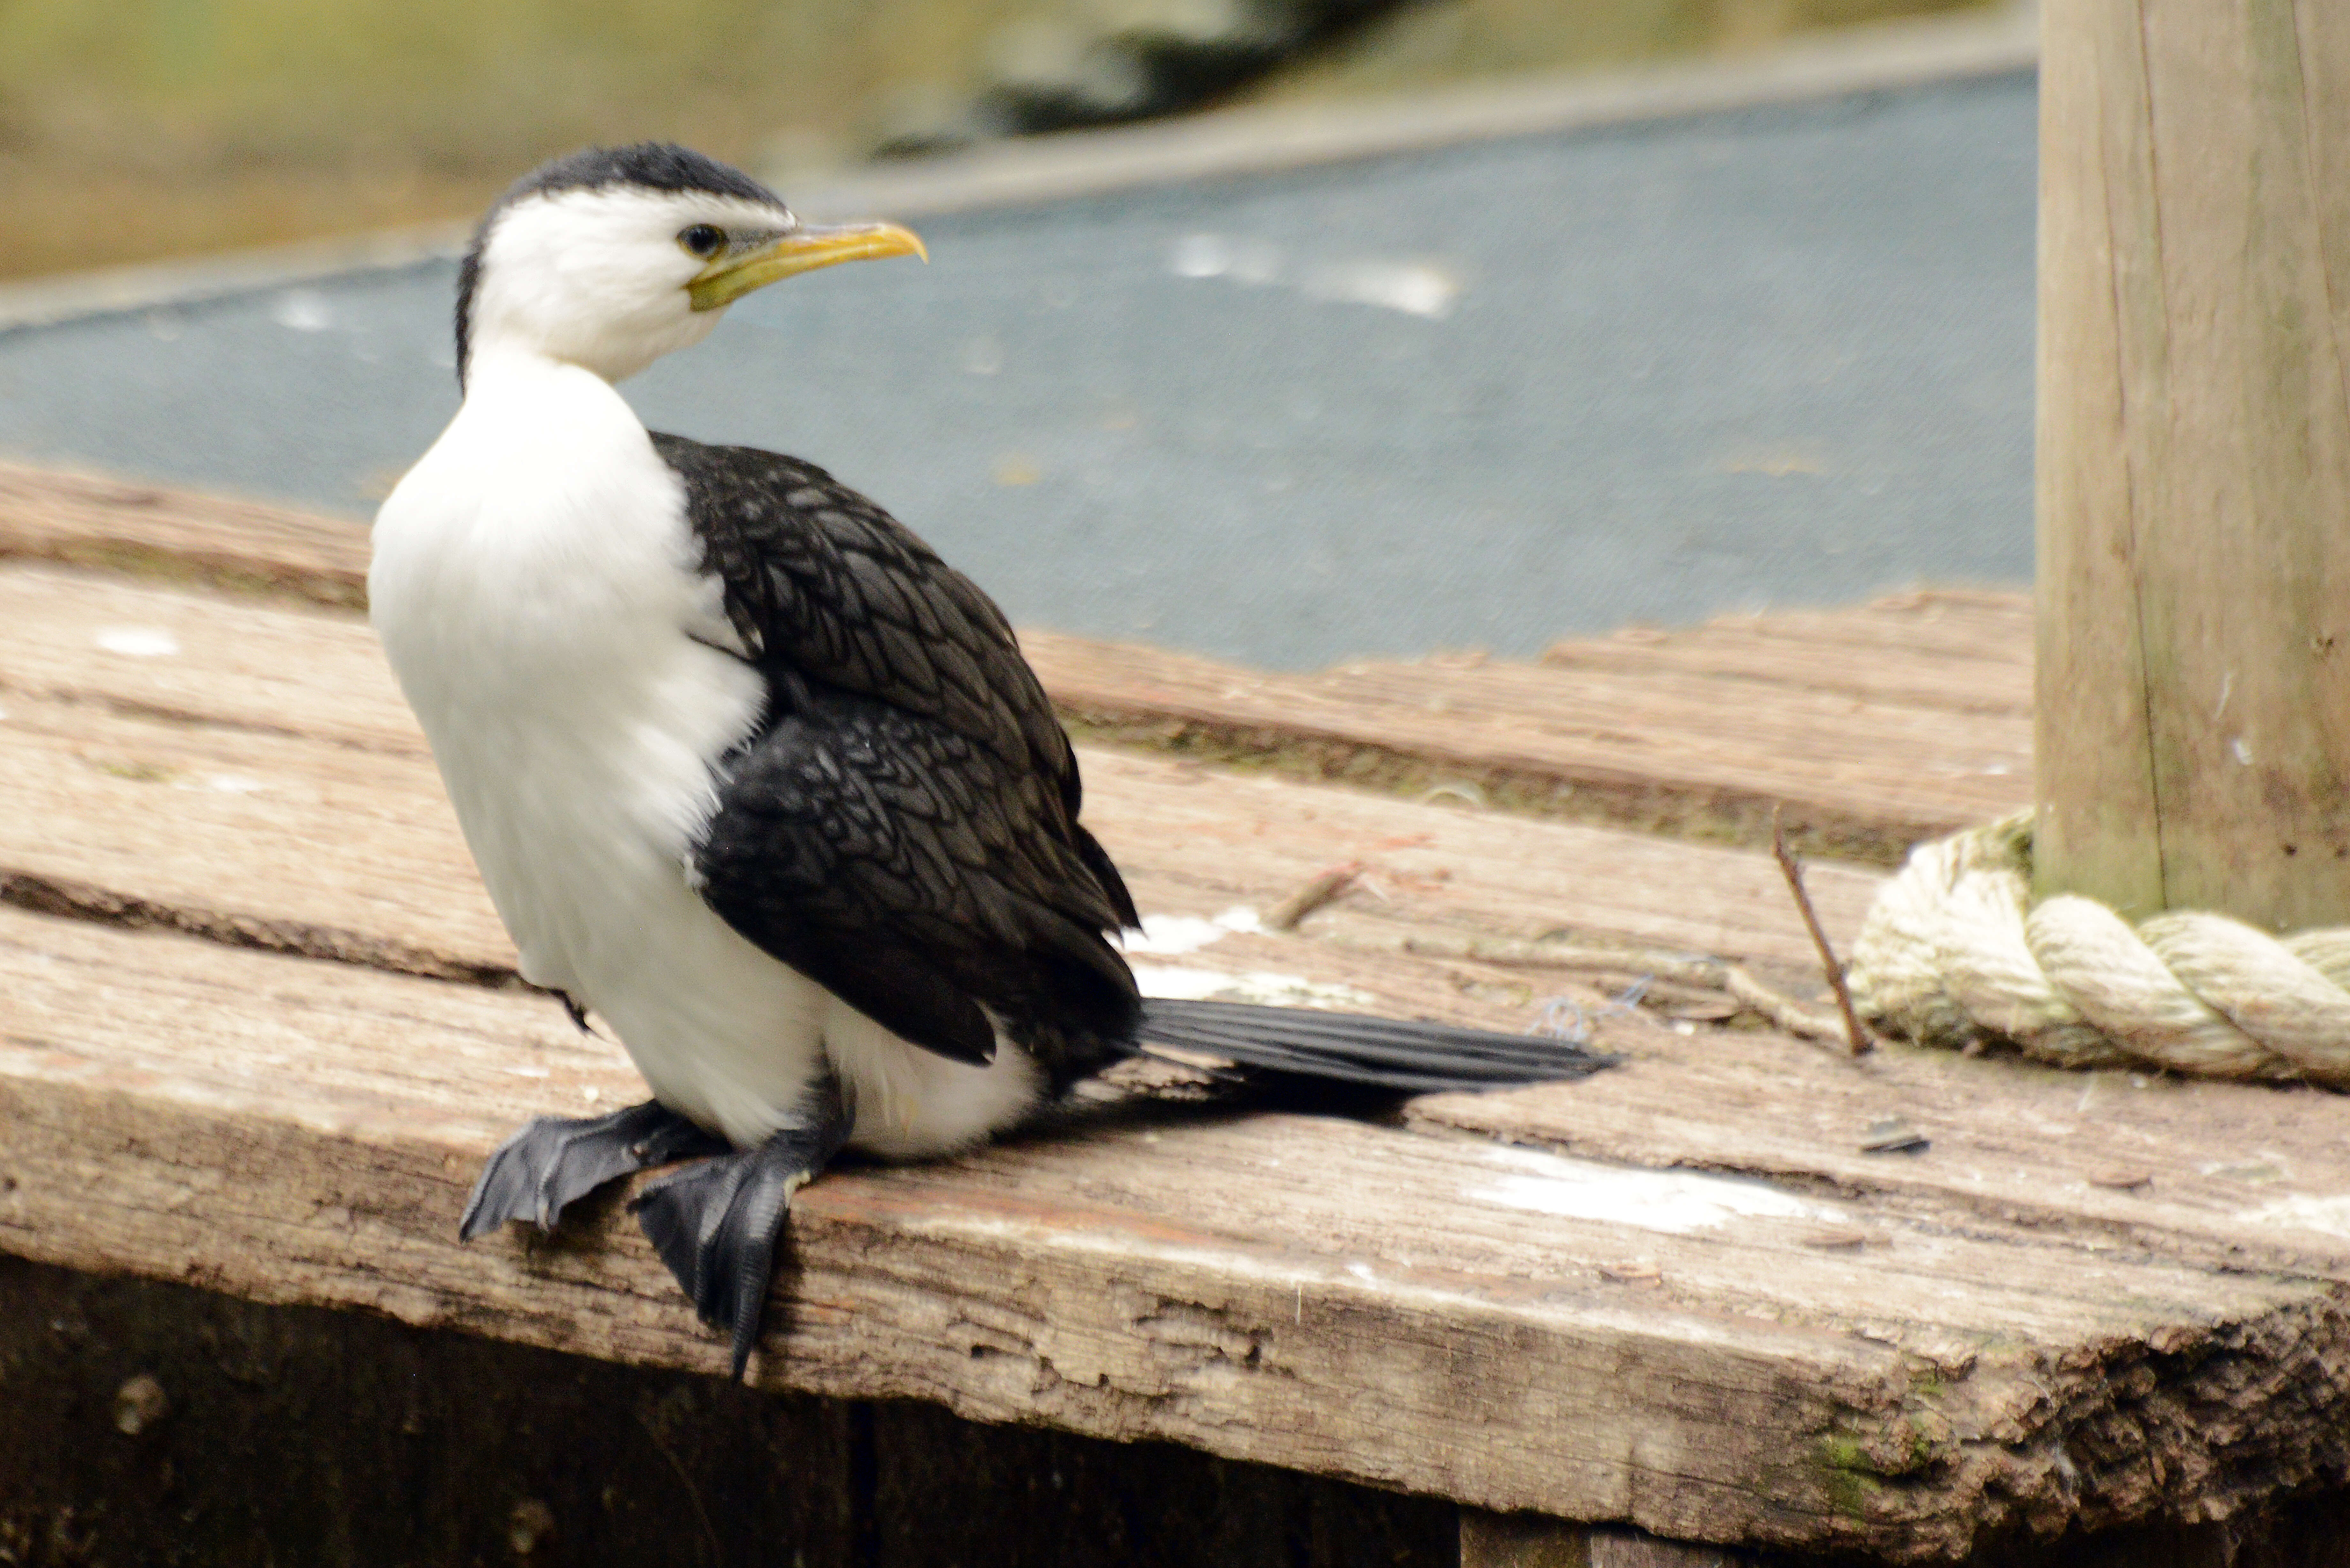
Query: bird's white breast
(535,584)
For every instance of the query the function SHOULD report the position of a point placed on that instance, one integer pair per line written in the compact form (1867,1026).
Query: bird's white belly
(533,586)
(601,907)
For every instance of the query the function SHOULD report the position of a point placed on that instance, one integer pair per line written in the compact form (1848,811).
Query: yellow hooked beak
(804,249)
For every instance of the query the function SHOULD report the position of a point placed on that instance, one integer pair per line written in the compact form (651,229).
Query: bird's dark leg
(553,1161)
(716,1224)
(573,1011)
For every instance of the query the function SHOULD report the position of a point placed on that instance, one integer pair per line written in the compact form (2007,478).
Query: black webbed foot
(717,1224)
(554,1161)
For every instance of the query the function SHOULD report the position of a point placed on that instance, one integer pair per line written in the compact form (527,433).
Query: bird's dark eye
(704,240)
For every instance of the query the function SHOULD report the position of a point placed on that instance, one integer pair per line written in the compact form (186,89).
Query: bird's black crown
(650,165)
(646,165)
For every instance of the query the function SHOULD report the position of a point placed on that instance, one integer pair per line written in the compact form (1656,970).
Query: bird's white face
(600,278)
(613,277)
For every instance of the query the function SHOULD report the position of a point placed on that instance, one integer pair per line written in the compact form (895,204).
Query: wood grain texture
(2095,786)
(1950,649)
(1657,749)
(195,654)
(2253,1178)
(46,515)
(242,1117)
(223,781)
(1500,1325)
(1869,750)
(2061,1315)
(2194,709)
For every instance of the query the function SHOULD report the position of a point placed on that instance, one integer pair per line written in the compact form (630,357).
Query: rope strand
(1954,953)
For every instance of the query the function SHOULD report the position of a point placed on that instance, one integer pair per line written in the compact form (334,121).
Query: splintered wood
(259,1025)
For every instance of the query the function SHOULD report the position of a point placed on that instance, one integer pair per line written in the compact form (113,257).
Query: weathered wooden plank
(182,651)
(313,847)
(1656,749)
(297,1435)
(1936,649)
(249,838)
(249,810)
(235,1152)
(1986,626)
(2219,1175)
(1863,767)
(1503,1326)
(325,1043)
(129,803)
(47,515)
(131,806)
(2048,1318)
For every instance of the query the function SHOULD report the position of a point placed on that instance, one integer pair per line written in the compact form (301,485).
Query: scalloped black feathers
(903,826)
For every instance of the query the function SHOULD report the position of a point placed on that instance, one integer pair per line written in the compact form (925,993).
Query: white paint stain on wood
(1181,983)
(2328,1214)
(137,641)
(1173,935)
(1677,1202)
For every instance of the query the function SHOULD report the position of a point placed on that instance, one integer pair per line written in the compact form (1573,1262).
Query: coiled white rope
(1954,953)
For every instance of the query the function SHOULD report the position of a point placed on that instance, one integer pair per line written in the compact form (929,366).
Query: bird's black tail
(1352,1048)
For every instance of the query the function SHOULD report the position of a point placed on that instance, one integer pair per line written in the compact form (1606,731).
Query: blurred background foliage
(132,130)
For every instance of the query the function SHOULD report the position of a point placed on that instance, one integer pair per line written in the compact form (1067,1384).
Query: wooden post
(2193,745)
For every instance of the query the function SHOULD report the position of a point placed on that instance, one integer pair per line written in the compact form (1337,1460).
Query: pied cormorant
(748,770)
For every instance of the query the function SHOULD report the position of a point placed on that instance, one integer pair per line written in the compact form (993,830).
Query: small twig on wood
(1550,953)
(1320,890)
(1861,1043)
(1706,973)
(1783,1012)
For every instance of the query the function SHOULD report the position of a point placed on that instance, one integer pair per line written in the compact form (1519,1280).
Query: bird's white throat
(536,587)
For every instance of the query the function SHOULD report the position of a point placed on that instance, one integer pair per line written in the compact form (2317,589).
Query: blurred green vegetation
(140,128)
(137,128)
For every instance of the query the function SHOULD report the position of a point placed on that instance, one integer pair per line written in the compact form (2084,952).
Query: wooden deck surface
(1873,728)
(258,1026)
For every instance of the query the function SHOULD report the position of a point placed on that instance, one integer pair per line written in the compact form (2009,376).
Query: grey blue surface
(1776,357)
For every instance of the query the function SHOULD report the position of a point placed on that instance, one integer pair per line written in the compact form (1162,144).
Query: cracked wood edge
(1046,1318)
(1133,1284)
(1083,1312)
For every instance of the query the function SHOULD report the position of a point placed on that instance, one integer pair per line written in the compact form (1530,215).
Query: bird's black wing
(903,828)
